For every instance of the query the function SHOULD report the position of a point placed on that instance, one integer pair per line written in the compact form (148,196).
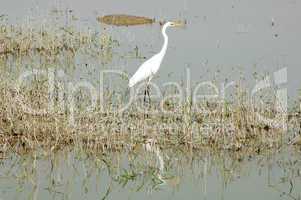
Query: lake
(251,43)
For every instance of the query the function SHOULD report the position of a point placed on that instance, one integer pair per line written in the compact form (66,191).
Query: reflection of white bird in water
(151,147)
(149,68)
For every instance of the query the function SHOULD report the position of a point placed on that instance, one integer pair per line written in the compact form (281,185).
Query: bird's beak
(180,24)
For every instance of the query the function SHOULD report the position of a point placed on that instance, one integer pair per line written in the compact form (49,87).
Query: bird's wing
(147,69)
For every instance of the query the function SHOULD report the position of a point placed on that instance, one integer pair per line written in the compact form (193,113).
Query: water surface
(223,41)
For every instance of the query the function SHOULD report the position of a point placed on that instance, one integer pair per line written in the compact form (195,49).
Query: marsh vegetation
(45,121)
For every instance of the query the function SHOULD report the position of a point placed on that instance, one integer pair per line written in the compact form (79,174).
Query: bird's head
(175,24)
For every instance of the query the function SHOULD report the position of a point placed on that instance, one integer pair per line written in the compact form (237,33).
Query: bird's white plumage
(150,67)
(146,70)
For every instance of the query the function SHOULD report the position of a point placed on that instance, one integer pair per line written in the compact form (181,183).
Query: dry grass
(236,129)
(233,125)
(52,41)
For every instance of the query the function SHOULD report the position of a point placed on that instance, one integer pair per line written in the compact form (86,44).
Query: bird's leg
(148,89)
(144,99)
(148,94)
(145,93)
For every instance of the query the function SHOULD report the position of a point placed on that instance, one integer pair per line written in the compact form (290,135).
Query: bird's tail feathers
(132,82)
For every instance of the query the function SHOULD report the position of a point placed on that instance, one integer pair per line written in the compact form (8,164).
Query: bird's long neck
(164,48)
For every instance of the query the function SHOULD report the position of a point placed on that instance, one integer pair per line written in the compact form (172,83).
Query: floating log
(124,20)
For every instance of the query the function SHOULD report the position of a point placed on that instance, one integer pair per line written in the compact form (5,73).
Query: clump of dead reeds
(231,126)
(225,125)
(51,41)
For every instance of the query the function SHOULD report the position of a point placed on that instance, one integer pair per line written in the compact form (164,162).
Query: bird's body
(147,70)
(150,67)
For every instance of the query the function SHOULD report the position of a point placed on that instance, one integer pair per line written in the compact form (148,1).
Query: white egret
(150,67)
